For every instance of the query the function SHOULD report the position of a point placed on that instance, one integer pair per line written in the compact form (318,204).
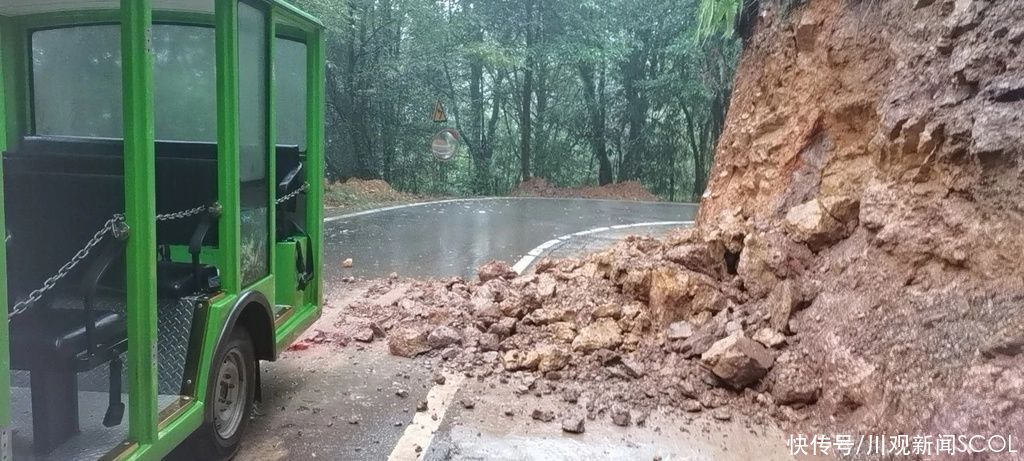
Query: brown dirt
(358,193)
(630,191)
(912,110)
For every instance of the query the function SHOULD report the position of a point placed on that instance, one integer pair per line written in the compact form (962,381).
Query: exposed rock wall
(886,138)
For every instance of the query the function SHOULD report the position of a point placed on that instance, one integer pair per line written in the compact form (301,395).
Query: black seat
(39,339)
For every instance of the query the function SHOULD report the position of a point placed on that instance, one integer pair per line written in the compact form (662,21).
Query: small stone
(450,353)
(543,415)
(439,379)
(347,263)
(621,417)
(421,406)
(393,276)
(399,424)
(770,337)
(496,270)
(443,336)
(680,330)
(353,419)
(606,357)
(633,368)
(721,414)
(489,342)
(692,406)
(408,342)
(363,335)
(509,412)
(573,424)
(547,286)
(504,327)
(402,393)
(467,403)
(613,311)
(518,360)
(571,394)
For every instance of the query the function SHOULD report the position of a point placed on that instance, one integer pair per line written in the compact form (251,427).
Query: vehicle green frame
(152,434)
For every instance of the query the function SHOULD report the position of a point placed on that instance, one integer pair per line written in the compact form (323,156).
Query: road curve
(453,238)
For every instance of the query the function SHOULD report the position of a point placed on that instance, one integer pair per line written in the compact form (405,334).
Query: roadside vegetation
(579,93)
(358,195)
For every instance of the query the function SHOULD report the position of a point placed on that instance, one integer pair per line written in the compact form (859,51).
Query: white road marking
(420,432)
(525,262)
(485,199)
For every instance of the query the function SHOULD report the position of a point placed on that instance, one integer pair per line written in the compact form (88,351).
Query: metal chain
(293,194)
(115,226)
(181,214)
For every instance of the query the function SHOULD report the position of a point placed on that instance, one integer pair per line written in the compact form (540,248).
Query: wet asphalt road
(454,238)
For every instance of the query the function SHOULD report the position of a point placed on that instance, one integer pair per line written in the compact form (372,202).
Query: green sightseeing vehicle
(162,165)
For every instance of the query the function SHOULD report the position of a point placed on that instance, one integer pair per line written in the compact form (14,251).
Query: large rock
(602,334)
(821,223)
(738,361)
(518,360)
(547,286)
(408,341)
(443,336)
(549,315)
(563,331)
(680,294)
(691,252)
(757,265)
(806,35)
(495,290)
(794,382)
(781,304)
(551,357)
(496,270)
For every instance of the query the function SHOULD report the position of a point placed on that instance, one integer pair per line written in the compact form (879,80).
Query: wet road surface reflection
(454,238)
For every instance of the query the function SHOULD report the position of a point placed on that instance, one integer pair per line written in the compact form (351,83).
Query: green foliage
(717,17)
(621,89)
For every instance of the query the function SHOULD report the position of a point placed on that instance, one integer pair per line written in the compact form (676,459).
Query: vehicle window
(76,81)
(252,91)
(254,155)
(290,95)
(185,84)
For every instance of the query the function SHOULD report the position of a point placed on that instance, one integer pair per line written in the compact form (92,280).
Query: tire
(229,401)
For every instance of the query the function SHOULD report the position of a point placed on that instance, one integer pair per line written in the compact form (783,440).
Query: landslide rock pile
(645,324)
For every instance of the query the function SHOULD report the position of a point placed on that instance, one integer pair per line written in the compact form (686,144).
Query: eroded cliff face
(872,158)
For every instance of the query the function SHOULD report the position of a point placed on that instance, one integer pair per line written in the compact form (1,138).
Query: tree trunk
(481,164)
(526,115)
(634,74)
(596,116)
(700,172)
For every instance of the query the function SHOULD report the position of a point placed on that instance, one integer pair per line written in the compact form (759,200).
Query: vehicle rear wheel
(229,400)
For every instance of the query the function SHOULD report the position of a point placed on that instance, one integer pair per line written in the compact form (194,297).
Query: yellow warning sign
(439,114)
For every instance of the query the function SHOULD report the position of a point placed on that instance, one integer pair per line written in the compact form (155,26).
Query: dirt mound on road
(629,191)
(358,193)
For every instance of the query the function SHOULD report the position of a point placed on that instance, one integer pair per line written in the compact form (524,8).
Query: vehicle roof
(26,7)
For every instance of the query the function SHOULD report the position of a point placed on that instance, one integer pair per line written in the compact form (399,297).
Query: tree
(578,92)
